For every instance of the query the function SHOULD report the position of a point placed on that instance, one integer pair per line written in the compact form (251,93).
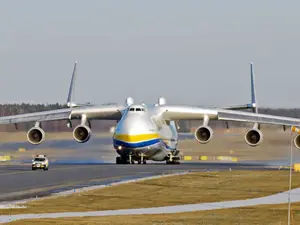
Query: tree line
(104,125)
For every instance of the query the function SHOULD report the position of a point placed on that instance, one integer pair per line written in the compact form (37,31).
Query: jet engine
(82,133)
(297,141)
(203,134)
(253,137)
(36,135)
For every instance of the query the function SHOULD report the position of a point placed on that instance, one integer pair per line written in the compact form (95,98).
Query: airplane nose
(134,125)
(132,139)
(135,131)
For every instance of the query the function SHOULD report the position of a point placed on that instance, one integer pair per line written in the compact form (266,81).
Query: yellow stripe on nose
(135,138)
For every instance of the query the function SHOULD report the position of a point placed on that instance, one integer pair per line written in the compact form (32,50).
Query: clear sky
(190,52)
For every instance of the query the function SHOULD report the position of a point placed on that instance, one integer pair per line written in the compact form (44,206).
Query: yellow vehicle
(40,162)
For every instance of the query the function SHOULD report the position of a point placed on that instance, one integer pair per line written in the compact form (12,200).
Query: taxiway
(19,181)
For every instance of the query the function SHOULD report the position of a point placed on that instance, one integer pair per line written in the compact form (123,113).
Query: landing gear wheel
(143,159)
(139,161)
(118,160)
(121,160)
(172,162)
(131,159)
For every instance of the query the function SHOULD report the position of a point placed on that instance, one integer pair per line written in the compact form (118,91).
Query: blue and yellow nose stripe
(136,141)
(136,138)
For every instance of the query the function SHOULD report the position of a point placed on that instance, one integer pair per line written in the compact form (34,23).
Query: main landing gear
(142,159)
(130,160)
(172,159)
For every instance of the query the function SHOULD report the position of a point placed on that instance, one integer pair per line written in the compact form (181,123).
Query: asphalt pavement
(19,181)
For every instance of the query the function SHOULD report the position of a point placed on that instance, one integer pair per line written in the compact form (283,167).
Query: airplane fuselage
(141,131)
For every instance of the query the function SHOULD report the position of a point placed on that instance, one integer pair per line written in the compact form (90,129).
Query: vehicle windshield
(39,159)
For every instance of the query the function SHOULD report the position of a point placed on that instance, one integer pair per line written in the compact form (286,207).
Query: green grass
(182,189)
(258,215)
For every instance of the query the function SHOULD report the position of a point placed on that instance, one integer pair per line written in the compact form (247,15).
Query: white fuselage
(142,131)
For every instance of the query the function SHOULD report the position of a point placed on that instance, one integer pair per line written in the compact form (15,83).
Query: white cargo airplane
(149,132)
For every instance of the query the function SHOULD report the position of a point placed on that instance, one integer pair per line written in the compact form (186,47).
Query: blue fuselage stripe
(167,146)
(141,144)
(136,145)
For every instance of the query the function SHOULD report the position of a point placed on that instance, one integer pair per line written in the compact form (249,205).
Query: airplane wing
(58,114)
(196,113)
(109,112)
(257,118)
(102,112)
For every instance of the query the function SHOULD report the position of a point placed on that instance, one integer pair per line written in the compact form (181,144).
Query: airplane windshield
(137,109)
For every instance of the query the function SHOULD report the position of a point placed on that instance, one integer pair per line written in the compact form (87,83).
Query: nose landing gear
(123,160)
(120,160)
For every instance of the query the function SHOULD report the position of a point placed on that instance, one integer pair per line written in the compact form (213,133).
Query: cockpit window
(137,109)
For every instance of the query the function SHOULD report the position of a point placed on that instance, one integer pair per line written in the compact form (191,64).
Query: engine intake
(297,141)
(82,133)
(36,135)
(253,137)
(203,134)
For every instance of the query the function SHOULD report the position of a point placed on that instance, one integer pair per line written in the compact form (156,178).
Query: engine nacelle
(36,135)
(203,134)
(82,133)
(297,141)
(254,137)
